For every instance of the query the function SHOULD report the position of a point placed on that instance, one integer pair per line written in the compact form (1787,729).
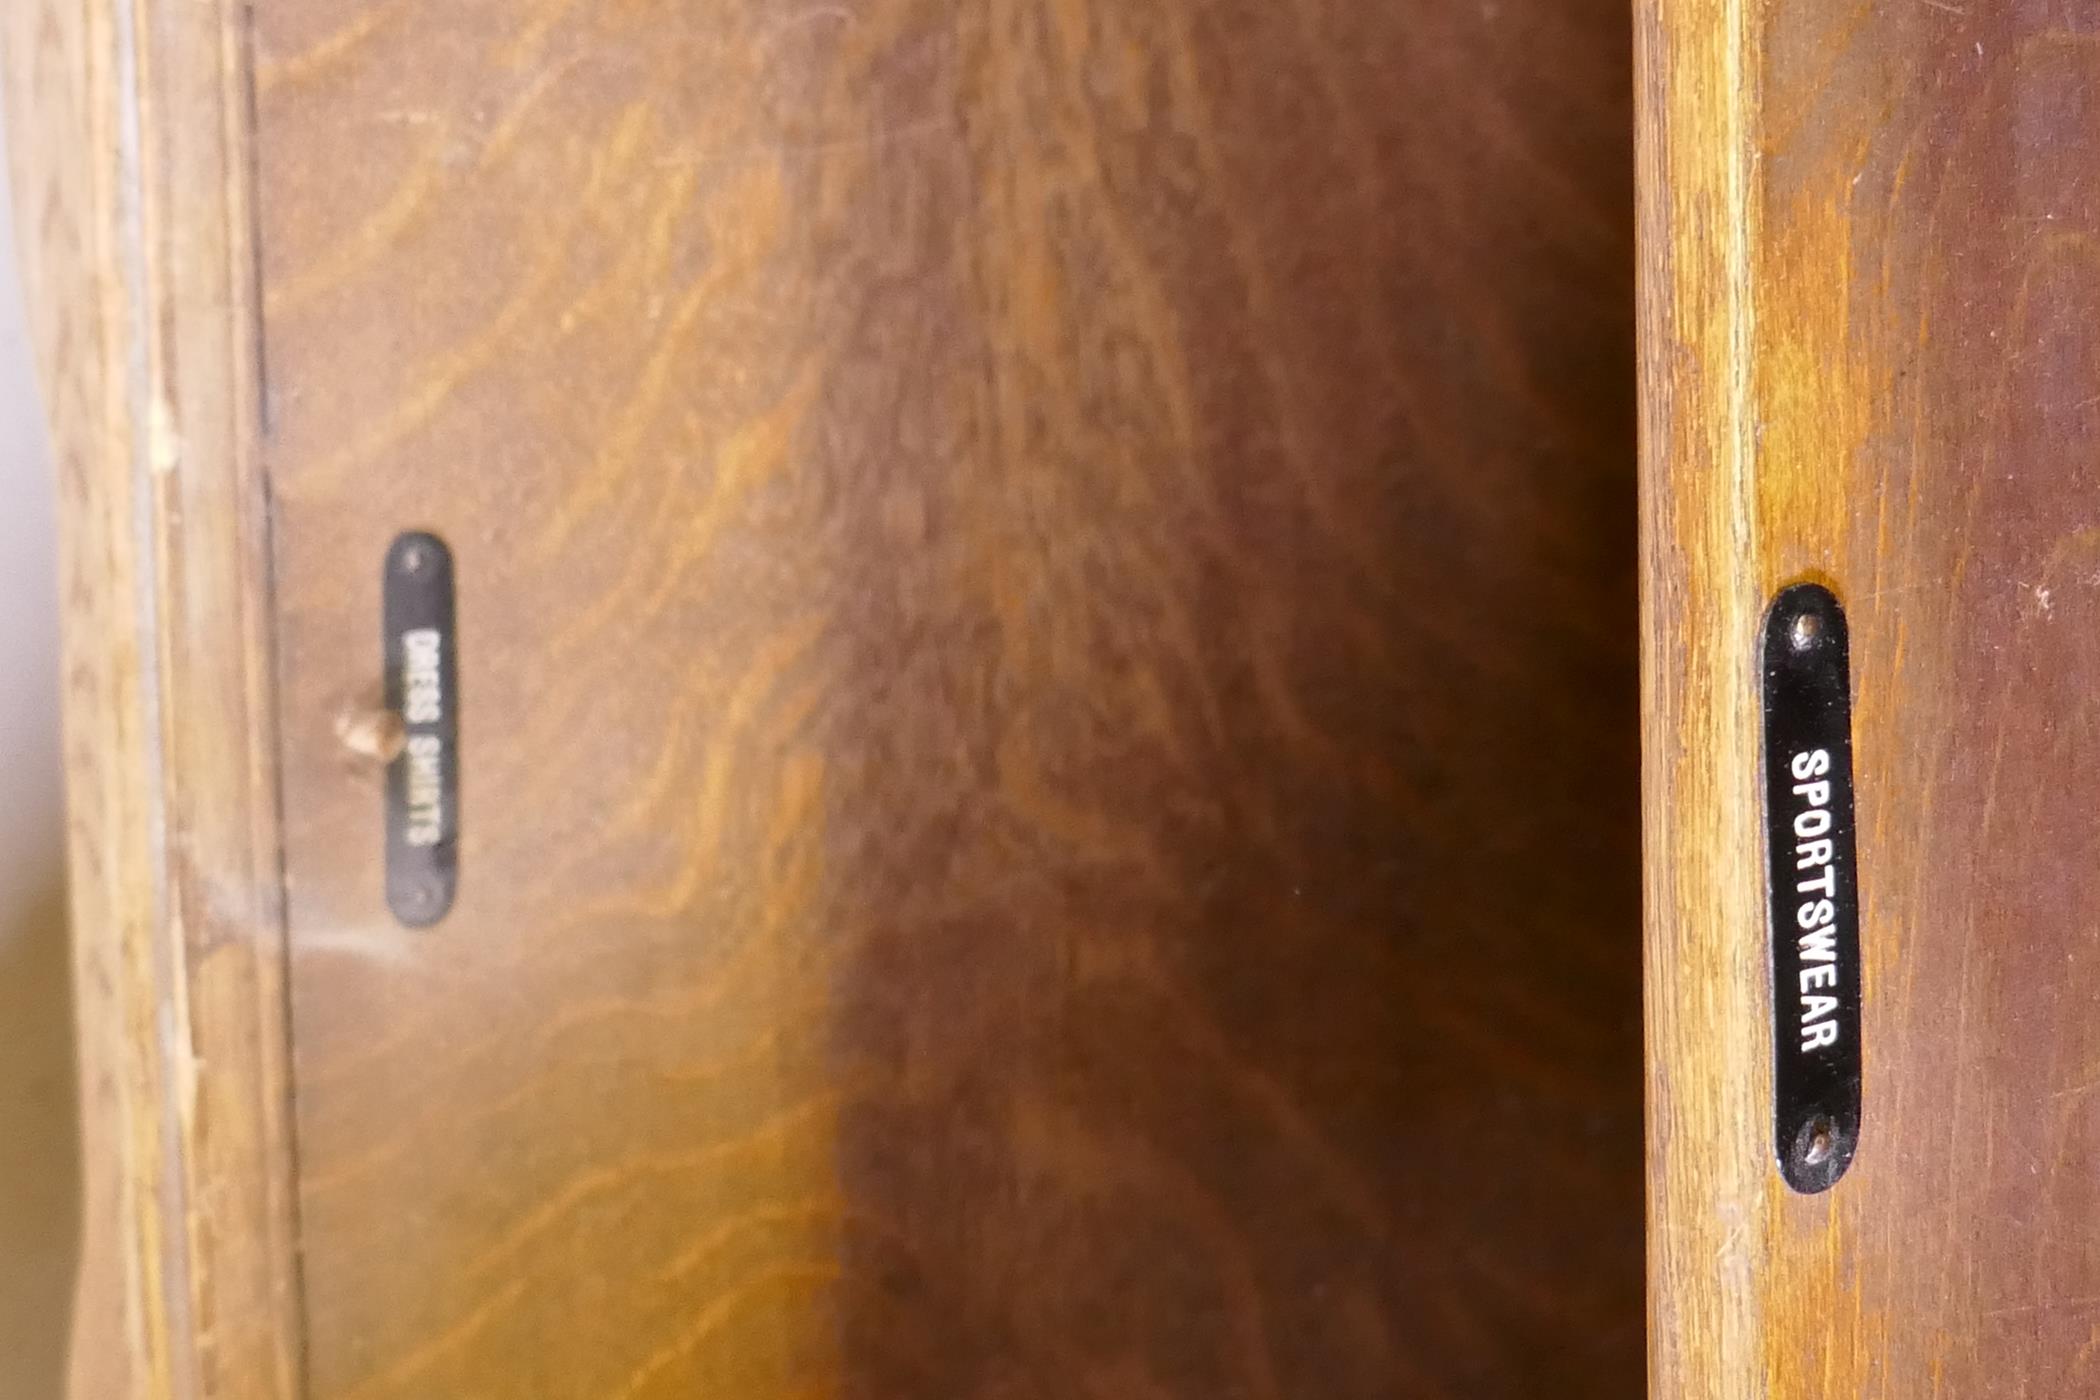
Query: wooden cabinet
(1869,358)
(1046,676)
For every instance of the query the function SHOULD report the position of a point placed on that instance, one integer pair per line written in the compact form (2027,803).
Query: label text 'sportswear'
(1812,884)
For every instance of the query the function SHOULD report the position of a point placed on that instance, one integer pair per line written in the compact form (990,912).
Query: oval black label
(422,687)
(1813,882)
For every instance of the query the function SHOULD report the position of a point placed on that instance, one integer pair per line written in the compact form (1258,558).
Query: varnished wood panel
(1047,690)
(1048,735)
(1869,357)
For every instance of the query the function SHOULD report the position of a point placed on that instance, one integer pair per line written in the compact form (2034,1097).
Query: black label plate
(422,687)
(1812,878)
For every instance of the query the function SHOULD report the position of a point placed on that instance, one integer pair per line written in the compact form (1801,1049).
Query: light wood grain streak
(1696,78)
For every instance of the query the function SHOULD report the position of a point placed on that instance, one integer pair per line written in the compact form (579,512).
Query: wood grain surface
(128,145)
(1048,723)
(1047,680)
(1869,355)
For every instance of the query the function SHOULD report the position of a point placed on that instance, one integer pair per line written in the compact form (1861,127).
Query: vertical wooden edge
(129,149)
(65,210)
(1708,1075)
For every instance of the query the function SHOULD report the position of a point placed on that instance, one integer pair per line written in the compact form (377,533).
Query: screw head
(1807,630)
(1820,1141)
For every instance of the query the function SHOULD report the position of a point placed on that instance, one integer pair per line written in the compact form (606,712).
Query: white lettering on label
(422,692)
(1813,860)
(423,702)
(426,790)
